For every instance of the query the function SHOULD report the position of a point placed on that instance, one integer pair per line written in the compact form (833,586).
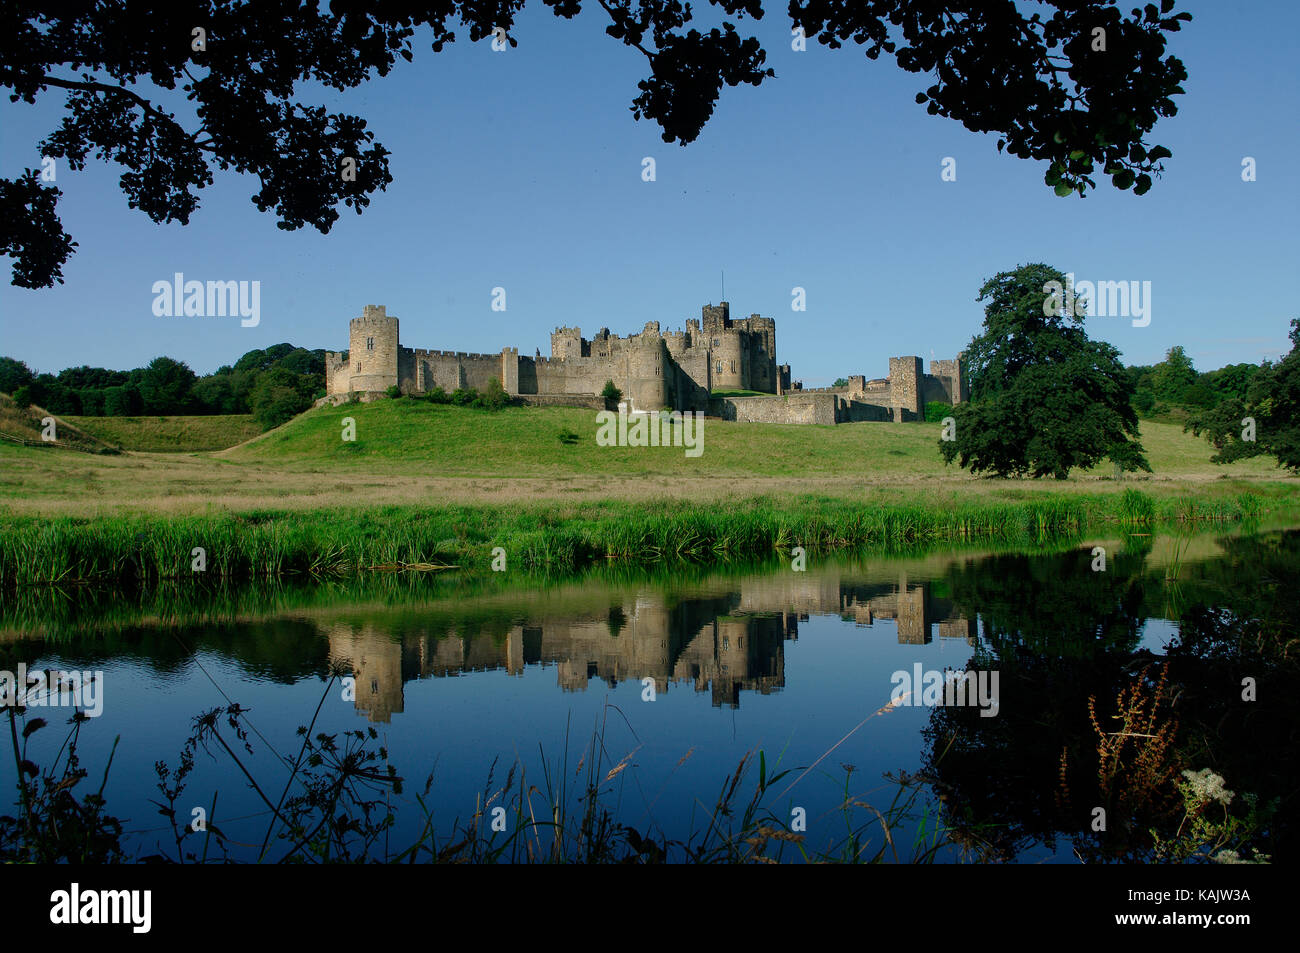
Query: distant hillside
(23,426)
(172,434)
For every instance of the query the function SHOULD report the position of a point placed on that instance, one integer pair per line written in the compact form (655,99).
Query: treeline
(272,384)
(1174,385)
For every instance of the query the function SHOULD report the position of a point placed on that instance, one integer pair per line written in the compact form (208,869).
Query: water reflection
(723,644)
(814,652)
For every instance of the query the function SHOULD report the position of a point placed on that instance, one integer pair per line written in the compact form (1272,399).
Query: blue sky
(522,169)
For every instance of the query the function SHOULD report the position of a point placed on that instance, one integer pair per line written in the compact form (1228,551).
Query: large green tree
(1266,422)
(1044,398)
(165,386)
(1076,83)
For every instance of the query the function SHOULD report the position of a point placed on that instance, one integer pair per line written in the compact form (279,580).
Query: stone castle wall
(676,370)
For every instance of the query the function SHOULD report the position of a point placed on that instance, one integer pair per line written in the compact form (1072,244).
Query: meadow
(426,485)
(172,433)
(410,453)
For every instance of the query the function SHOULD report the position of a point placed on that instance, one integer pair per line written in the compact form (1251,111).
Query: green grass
(22,426)
(539,537)
(172,433)
(528,441)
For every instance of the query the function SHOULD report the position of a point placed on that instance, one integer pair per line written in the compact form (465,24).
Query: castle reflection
(724,642)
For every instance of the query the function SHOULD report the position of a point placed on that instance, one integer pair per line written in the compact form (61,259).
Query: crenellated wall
(653,369)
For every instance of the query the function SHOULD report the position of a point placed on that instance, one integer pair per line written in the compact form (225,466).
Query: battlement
(463,355)
(654,369)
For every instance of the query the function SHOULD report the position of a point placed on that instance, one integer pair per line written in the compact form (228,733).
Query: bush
(438,396)
(393,391)
(935,411)
(494,396)
(464,396)
(23,397)
(611,394)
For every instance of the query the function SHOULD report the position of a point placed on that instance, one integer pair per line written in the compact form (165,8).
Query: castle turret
(905,387)
(372,350)
(648,370)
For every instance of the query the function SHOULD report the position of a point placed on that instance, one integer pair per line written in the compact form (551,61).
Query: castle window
(717,368)
(358,370)
(374,686)
(370,344)
(715,342)
(733,367)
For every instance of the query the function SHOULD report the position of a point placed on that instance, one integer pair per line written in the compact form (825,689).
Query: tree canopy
(172,93)
(1266,421)
(1044,398)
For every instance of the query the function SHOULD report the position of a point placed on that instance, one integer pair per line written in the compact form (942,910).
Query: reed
(545,537)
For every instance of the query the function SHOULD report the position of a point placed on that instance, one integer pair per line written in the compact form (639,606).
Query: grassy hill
(416,455)
(22,426)
(519,441)
(172,434)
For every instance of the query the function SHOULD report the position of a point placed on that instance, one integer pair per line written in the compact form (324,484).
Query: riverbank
(550,537)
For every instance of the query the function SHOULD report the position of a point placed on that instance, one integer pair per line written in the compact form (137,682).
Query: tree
(1232,380)
(1266,422)
(1079,85)
(611,394)
(1173,376)
(1044,398)
(13,375)
(165,386)
(215,395)
(279,395)
(841,382)
(122,401)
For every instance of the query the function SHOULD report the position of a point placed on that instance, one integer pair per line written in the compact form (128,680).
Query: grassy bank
(412,454)
(174,434)
(546,537)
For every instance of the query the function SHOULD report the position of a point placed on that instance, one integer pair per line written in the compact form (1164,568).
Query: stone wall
(585,401)
(653,369)
(794,408)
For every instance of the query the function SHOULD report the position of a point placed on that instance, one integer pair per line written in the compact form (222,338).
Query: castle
(722,366)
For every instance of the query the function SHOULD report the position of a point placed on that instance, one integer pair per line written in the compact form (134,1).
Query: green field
(175,434)
(412,453)
(518,441)
(427,483)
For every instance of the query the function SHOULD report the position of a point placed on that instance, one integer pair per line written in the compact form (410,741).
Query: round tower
(726,363)
(372,350)
(647,370)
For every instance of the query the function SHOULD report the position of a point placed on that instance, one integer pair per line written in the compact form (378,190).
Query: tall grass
(542,537)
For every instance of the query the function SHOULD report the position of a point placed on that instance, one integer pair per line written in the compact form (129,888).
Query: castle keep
(699,368)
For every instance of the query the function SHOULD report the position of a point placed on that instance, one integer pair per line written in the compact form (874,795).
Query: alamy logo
(948,688)
(72,906)
(1105,299)
(214,299)
(41,689)
(662,429)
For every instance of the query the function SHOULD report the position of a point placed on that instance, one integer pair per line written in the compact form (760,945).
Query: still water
(663,681)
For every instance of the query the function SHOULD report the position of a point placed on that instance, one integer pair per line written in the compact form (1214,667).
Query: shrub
(935,411)
(493,397)
(438,396)
(464,396)
(393,391)
(611,394)
(23,396)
